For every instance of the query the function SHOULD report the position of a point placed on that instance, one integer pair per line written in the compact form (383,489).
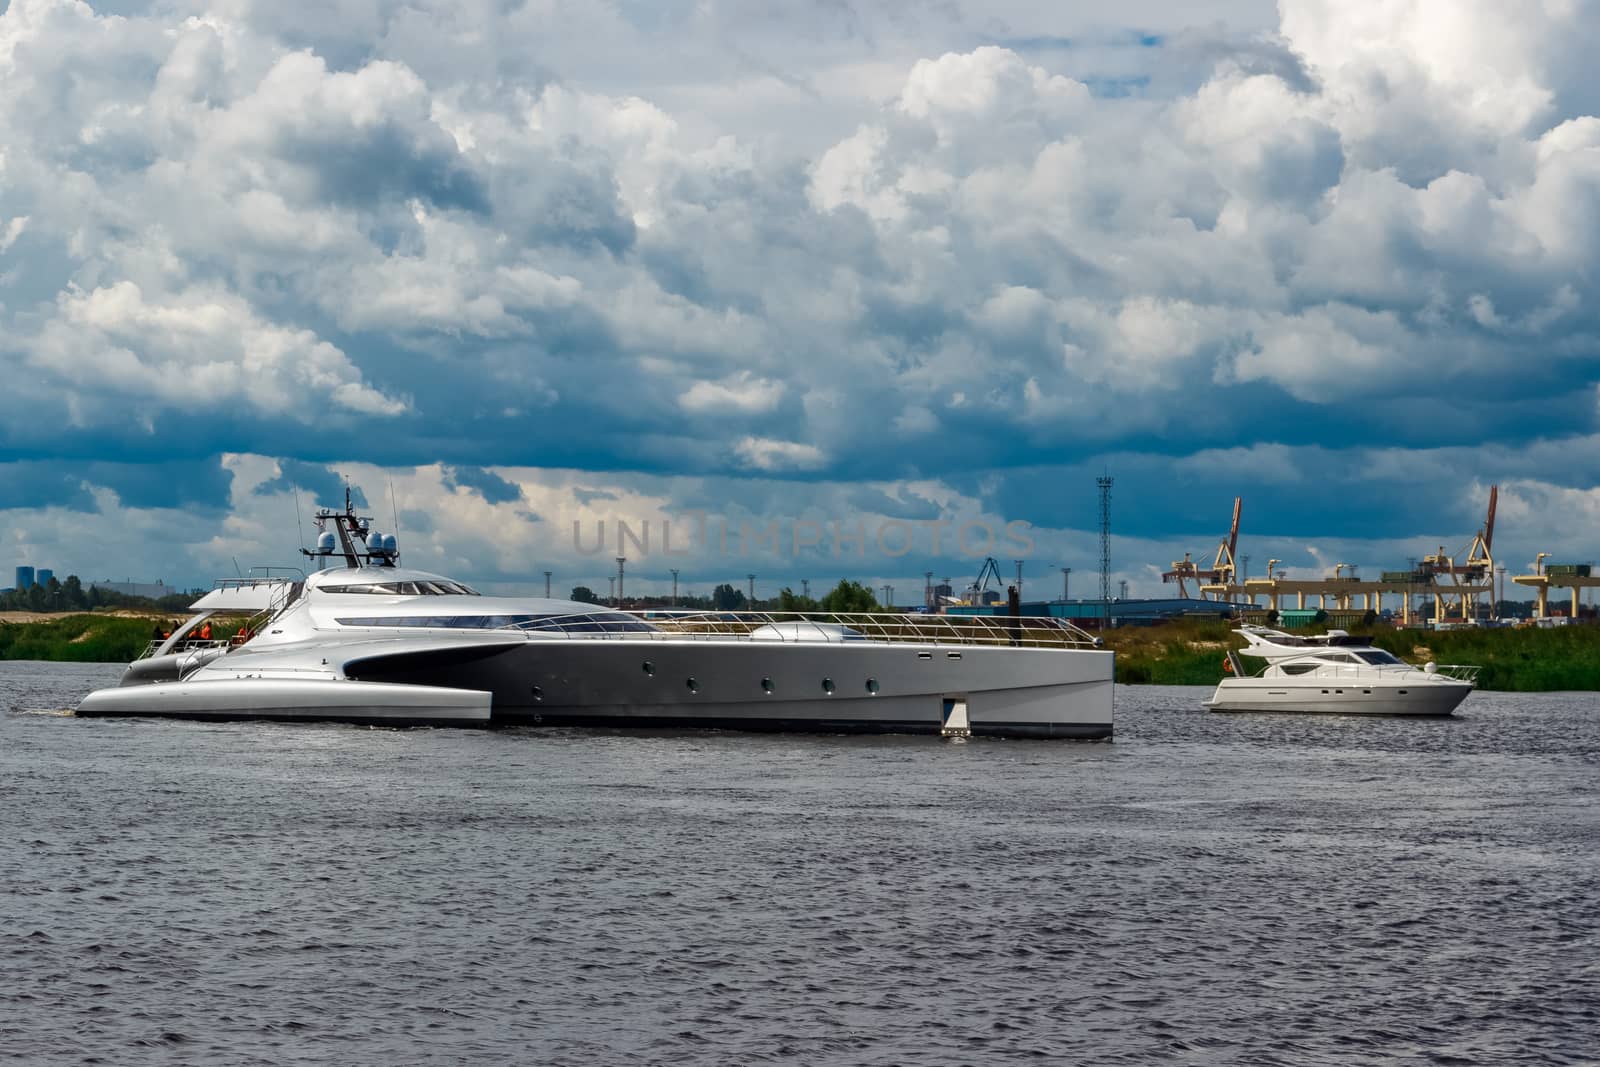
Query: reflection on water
(1206,889)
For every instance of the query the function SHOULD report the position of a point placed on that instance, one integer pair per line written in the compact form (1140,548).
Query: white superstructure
(1335,673)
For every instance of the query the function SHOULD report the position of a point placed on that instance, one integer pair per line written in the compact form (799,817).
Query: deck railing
(188,644)
(813,627)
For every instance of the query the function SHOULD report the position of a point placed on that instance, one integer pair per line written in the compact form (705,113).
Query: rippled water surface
(1206,889)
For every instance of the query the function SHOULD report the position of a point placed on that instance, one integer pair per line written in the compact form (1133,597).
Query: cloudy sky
(866,274)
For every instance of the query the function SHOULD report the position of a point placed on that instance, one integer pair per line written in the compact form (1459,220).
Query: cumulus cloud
(571,234)
(766,454)
(741,394)
(198,350)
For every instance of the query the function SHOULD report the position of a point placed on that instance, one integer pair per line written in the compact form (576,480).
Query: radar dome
(325,543)
(375,542)
(390,545)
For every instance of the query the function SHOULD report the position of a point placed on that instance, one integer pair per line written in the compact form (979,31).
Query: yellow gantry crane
(1546,576)
(1221,574)
(1454,582)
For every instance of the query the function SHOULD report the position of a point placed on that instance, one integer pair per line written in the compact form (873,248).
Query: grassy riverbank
(1528,661)
(1178,653)
(76,638)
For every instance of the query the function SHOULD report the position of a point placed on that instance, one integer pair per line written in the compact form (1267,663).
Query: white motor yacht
(1335,673)
(373,642)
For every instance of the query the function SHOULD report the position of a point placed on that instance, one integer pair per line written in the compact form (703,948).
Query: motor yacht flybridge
(1335,673)
(371,641)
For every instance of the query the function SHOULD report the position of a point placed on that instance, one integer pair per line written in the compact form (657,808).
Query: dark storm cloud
(44,484)
(324,486)
(198,485)
(389,161)
(493,488)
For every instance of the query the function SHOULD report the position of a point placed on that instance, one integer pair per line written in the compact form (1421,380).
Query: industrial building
(27,577)
(1122,612)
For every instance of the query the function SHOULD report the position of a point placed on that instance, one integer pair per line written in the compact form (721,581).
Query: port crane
(1467,578)
(1222,571)
(1453,581)
(980,584)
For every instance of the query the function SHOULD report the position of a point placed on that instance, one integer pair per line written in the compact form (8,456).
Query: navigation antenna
(299,523)
(1104,482)
(394,509)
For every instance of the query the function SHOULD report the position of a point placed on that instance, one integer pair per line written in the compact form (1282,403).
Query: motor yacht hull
(832,687)
(1426,697)
(293,700)
(861,687)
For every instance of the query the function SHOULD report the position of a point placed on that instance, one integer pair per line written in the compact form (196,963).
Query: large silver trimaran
(373,642)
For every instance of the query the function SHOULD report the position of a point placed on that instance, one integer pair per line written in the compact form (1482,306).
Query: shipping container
(1405,576)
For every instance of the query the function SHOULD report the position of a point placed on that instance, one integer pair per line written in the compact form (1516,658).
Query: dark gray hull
(859,687)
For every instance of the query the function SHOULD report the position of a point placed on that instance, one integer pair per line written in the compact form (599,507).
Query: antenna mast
(1104,482)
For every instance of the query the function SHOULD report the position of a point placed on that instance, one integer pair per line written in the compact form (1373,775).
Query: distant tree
(38,599)
(788,601)
(849,596)
(727,598)
(584,595)
(72,593)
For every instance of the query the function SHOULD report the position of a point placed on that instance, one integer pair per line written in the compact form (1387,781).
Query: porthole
(827,685)
(649,668)
(694,686)
(766,685)
(872,686)
(538,693)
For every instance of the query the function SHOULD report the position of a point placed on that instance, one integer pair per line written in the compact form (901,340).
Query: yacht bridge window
(1378,656)
(596,622)
(431,587)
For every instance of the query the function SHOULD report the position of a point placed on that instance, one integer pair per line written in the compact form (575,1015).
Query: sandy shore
(42,616)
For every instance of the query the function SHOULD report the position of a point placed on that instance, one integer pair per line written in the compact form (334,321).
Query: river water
(1206,889)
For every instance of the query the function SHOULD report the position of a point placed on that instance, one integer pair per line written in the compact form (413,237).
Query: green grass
(1178,653)
(1518,661)
(76,639)
(1527,661)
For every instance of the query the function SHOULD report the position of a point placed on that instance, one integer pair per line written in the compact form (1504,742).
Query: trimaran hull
(831,687)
